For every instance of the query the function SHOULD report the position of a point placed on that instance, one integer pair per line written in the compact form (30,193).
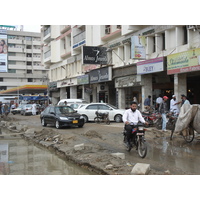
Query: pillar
(73,92)
(63,93)
(121,98)
(146,88)
(180,85)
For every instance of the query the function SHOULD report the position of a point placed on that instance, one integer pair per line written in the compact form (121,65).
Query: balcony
(47,35)
(47,57)
(79,40)
(65,28)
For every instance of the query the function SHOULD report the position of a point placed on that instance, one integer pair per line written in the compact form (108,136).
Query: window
(154,44)
(107,29)
(163,41)
(185,35)
(3,87)
(30,80)
(103,107)
(92,107)
(1,79)
(119,26)
(11,70)
(29,71)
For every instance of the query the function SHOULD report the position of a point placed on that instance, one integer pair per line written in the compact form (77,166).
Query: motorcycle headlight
(63,118)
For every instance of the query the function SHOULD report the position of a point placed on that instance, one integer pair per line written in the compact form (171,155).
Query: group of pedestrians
(163,107)
(5,108)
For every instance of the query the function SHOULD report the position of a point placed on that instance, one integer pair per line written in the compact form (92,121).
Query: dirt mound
(92,134)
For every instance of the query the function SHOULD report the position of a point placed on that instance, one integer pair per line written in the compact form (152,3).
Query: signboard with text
(3,53)
(94,55)
(187,61)
(138,50)
(150,66)
(101,75)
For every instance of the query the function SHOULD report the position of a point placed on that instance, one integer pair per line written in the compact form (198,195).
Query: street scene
(100,100)
(99,147)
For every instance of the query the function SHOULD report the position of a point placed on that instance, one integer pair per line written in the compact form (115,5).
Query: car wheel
(85,118)
(43,122)
(118,118)
(57,124)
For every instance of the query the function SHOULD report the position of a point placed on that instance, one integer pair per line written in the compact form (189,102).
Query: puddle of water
(20,157)
(176,154)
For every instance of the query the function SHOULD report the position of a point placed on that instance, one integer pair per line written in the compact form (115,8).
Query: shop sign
(128,81)
(138,50)
(81,80)
(187,61)
(94,55)
(101,75)
(150,66)
(67,82)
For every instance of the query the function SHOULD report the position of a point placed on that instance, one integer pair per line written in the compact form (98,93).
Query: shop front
(128,89)
(185,67)
(100,83)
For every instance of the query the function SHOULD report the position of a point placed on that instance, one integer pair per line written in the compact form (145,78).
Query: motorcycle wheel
(97,120)
(158,124)
(142,148)
(128,147)
(189,136)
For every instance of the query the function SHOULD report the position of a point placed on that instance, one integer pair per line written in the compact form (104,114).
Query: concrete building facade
(23,61)
(155,70)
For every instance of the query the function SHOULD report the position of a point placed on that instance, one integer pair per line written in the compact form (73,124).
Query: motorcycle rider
(130,118)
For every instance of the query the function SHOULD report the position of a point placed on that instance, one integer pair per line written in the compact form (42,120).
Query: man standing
(147,103)
(174,105)
(163,110)
(131,118)
(158,101)
(34,109)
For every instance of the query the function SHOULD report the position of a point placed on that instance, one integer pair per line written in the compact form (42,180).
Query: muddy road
(164,156)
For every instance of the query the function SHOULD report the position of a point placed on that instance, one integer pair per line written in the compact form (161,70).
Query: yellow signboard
(187,61)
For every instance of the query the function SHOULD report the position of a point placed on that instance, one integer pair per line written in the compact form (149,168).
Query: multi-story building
(23,67)
(141,60)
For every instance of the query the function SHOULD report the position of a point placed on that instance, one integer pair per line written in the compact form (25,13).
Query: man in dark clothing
(147,103)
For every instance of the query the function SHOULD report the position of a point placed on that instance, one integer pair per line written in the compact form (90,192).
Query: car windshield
(64,110)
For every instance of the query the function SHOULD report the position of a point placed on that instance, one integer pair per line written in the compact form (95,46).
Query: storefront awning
(25,89)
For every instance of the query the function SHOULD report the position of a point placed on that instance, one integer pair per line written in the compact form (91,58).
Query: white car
(77,106)
(88,111)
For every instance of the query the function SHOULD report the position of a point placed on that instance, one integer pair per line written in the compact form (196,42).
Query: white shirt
(174,108)
(159,100)
(133,117)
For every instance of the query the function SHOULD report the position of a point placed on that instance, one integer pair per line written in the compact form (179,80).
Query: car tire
(57,124)
(43,122)
(80,126)
(118,118)
(85,117)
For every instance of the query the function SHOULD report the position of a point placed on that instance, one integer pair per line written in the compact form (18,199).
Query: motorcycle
(101,117)
(139,142)
(150,118)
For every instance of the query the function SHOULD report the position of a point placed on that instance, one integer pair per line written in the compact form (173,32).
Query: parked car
(70,101)
(27,109)
(88,111)
(61,116)
(16,110)
(77,106)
